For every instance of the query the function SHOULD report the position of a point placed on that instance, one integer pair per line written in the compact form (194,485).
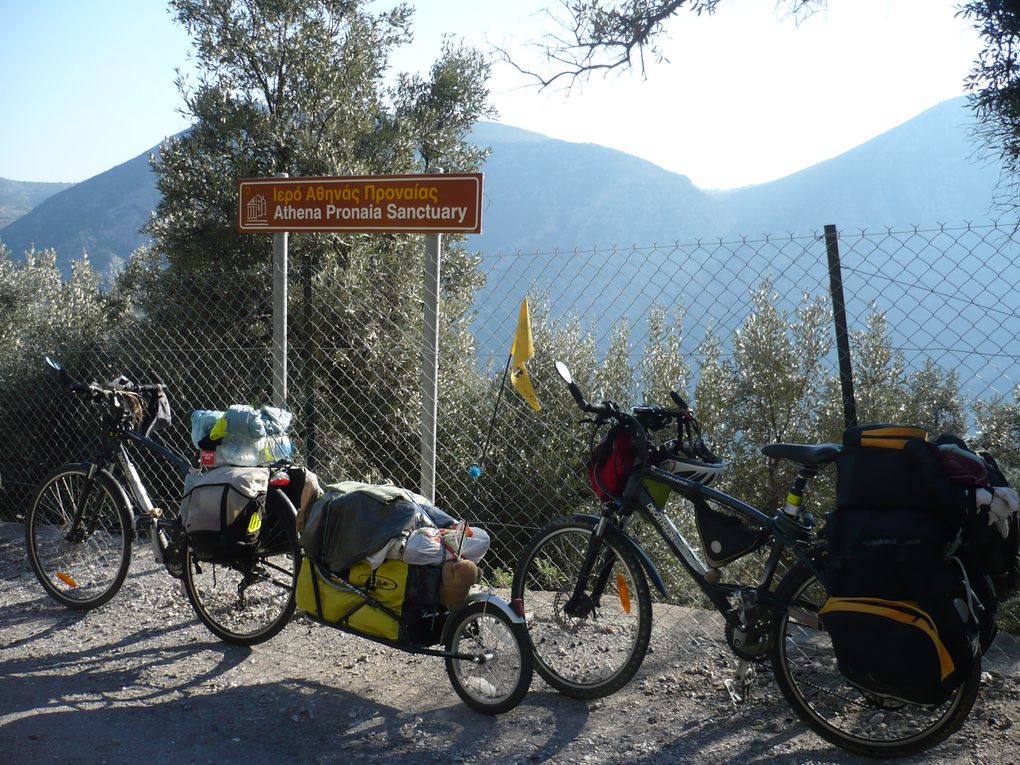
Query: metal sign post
(430,366)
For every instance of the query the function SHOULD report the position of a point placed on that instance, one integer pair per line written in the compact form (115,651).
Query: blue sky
(745,97)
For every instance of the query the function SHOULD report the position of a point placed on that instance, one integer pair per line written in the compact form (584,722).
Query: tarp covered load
(356,521)
(384,562)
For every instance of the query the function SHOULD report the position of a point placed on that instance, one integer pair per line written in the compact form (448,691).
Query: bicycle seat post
(792,518)
(795,496)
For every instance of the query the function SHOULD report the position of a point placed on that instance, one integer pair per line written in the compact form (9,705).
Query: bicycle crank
(749,643)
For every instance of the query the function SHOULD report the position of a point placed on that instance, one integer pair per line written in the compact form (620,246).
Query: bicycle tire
(223,594)
(499,682)
(85,573)
(805,669)
(590,656)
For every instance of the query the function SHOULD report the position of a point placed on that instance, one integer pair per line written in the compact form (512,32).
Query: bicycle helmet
(694,461)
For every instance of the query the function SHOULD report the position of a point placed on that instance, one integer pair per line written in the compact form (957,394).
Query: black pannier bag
(895,467)
(222,510)
(902,616)
(899,612)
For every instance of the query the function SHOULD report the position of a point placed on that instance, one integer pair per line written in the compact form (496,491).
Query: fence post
(307,362)
(280,316)
(846,376)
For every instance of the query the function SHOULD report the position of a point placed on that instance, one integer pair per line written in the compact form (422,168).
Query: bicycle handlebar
(111,394)
(651,417)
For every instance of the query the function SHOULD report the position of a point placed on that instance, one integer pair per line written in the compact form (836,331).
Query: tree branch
(599,36)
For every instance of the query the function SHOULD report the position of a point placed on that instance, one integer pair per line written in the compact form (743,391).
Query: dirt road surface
(142,681)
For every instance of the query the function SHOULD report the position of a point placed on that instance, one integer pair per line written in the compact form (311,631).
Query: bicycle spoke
(591,647)
(83,569)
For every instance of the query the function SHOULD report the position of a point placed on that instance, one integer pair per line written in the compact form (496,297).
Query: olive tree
(304,87)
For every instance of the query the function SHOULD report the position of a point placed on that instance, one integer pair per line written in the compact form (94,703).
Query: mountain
(101,216)
(923,172)
(543,194)
(18,197)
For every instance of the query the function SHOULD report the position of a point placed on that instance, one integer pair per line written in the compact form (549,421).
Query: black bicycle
(84,519)
(583,582)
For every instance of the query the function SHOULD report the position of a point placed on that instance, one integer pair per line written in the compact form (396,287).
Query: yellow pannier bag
(407,600)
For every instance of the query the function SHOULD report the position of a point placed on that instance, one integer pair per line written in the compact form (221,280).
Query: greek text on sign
(428,203)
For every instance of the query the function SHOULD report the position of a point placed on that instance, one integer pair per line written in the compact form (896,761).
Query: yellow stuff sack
(410,593)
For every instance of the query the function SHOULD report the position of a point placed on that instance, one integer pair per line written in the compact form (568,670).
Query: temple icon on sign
(255,210)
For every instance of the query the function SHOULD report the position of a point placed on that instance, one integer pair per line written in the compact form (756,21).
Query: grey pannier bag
(222,510)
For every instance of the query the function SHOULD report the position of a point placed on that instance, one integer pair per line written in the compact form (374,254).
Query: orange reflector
(621,587)
(66,579)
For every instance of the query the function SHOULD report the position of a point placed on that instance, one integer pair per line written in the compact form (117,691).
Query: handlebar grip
(606,409)
(678,401)
(578,396)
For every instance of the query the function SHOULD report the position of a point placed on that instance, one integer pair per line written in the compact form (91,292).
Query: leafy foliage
(40,313)
(994,83)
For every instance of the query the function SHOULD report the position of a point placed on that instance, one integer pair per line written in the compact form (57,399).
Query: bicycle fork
(77,533)
(581,605)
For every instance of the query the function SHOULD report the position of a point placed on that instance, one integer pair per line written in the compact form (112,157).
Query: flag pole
(520,351)
(492,422)
(475,471)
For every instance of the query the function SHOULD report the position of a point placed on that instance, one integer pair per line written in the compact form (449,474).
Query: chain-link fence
(742,328)
(932,316)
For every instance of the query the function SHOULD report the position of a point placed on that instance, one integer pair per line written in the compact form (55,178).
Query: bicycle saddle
(808,455)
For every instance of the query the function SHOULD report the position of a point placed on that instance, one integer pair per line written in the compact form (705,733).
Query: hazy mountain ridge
(543,194)
(19,197)
(100,216)
(925,171)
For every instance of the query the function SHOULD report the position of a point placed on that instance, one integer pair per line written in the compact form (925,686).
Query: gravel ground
(140,680)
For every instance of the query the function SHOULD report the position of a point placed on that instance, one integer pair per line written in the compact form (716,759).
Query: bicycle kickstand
(739,686)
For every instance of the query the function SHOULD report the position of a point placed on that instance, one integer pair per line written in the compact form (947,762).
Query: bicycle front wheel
(805,669)
(78,532)
(592,648)
(249,598)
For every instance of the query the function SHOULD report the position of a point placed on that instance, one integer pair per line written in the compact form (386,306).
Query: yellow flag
(522,350)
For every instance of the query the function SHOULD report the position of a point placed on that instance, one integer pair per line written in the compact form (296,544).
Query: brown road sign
(428,203)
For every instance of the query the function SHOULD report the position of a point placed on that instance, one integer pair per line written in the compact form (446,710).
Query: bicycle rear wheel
(249,598)
(595,650)
(78,533)
(500,677)
(805,669)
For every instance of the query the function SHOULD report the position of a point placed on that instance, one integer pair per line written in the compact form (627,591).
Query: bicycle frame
(615,515)
(114,451)
(135,485)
